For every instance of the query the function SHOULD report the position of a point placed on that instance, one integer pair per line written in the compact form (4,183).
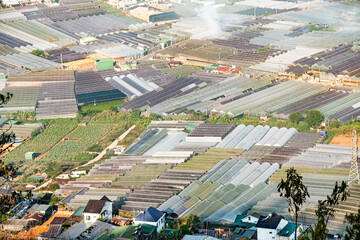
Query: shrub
(313,117)
(295,117)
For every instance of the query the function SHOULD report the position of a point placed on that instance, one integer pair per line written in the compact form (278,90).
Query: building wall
(91,217)
(266,234)
(122,3)
(106,214)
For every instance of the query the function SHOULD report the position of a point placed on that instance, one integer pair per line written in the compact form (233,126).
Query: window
(87,217)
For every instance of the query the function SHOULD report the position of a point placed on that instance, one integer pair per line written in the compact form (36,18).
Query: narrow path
(112,145)
(97,158)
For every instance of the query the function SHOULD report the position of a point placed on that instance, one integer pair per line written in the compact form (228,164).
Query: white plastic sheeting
(230,136)
(268,136)
(255,174)
(168,143)
(253,137)
(244,173)
(286,137)
(265,175)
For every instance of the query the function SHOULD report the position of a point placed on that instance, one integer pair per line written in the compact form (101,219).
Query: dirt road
(97,158)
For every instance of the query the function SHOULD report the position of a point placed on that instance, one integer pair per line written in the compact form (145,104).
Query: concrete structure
(104,64)
(44,209)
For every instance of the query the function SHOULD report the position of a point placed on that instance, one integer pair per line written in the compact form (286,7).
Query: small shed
(104,64)
(190,127)
(44,209)
(3,120)
(87,40)
(30,156)
(79,212)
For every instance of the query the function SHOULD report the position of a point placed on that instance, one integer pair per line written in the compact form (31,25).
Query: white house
(96,209)
(275,227)
(76,174)
(122,3)
(151,216)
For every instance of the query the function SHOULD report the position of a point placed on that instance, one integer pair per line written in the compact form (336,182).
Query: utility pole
(61,59)
(354,168)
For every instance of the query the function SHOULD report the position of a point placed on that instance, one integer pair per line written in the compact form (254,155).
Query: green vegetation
(53,187)
(7,171)
(353,231)
(40,143)
(133,135)
(78,141)
(78,147)
(263,49)
(312,27)
(54,199)
(325,211)
(295,117)
(313,117)
(92,110)
(294,191)
(38,53)
(334,129)
(253,120)
(181,227)
(21,115)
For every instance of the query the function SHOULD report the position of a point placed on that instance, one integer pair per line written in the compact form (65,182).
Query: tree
(334,124)
(193,223)
(353,231)
(325,211)
(136,113)
(294,191)
(55,199)
(53,187)
(295,117)
(313,117)
(5,136)
(7,171)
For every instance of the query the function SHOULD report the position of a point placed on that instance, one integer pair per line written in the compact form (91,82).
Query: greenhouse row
(174,89)
(90,87)
(30,62)
(131,85)
(202,99)
(320,183)
(191,178)
(225,184)
(323,156)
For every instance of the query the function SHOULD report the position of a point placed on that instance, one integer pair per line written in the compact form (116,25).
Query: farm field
(40,143)
(78,141)
(344,140)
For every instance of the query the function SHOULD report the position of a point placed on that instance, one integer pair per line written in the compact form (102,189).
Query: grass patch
(263,49)
(92,110)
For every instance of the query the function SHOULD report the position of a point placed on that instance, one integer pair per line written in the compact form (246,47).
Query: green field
(78,141)
(42,142)
(92,110)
